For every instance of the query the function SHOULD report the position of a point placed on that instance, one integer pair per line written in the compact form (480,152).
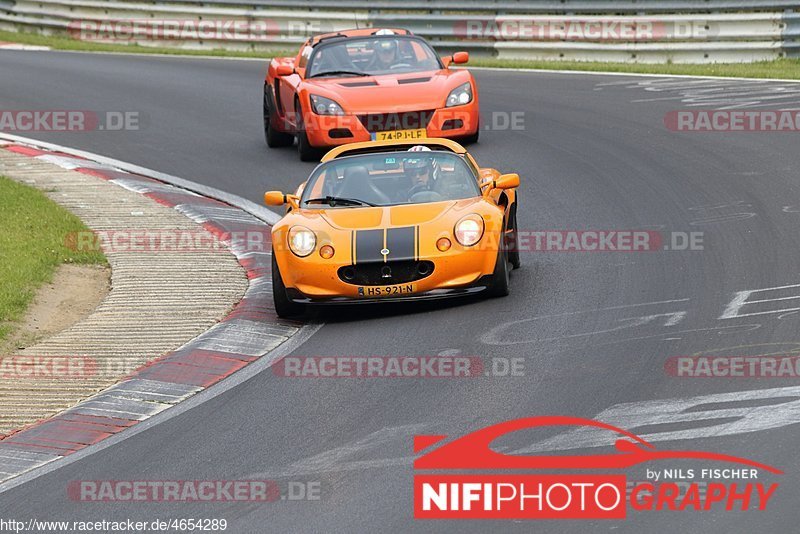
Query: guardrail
(687,31)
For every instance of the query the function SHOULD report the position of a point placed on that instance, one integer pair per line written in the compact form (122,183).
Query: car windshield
(384,54)
(389,179)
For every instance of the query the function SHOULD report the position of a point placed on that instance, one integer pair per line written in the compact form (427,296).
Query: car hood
(390,93)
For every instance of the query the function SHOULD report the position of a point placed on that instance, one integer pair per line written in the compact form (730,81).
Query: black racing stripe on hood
(401,243)
(369,244)
(416,238)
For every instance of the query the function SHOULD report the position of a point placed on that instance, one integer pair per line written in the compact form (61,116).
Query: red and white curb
(251,331)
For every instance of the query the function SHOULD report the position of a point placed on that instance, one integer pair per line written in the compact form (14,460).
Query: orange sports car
(394,220)
(362,85)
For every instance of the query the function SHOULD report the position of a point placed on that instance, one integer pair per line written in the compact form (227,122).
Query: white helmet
(427,162)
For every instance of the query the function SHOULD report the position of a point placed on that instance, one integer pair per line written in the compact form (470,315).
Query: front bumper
(433,294)
(334,130)
(456,272)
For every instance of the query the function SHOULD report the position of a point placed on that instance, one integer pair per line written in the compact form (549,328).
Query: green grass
(32,244)
(64,42)
(781,68)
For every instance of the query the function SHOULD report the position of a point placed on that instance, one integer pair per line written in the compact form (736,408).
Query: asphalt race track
(594,329)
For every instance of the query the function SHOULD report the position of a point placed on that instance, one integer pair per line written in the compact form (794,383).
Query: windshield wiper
(339,72)
(332,201)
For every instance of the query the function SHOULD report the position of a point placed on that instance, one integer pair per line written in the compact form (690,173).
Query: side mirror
(506,181)
(284,70)
(459,58)
(275,198)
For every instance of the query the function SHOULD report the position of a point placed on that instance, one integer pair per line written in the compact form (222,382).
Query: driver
(385,54)
(420,171)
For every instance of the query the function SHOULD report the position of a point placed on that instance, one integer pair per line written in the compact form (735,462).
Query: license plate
(385,291)
(400,135)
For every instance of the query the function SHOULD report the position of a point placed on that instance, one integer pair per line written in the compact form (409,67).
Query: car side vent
(413,80)
(358,84)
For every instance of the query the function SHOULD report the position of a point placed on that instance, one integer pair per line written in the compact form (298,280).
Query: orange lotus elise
(361,85)
(394,220)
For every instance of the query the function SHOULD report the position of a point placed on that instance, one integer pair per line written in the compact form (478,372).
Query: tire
(275,138)
(471,139)
(304,148)
(283,306)
(500,279)
(513,249)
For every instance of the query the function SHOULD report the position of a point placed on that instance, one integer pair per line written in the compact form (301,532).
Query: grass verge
(32,244)
(64,42)
(782,68)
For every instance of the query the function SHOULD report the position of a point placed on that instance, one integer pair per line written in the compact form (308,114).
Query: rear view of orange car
(363,85)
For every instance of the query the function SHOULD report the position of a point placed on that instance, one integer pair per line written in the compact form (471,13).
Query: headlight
(469,229)
(460,95)
(302,241)
(325,106)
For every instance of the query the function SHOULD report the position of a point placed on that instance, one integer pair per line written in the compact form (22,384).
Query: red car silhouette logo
(472,451)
